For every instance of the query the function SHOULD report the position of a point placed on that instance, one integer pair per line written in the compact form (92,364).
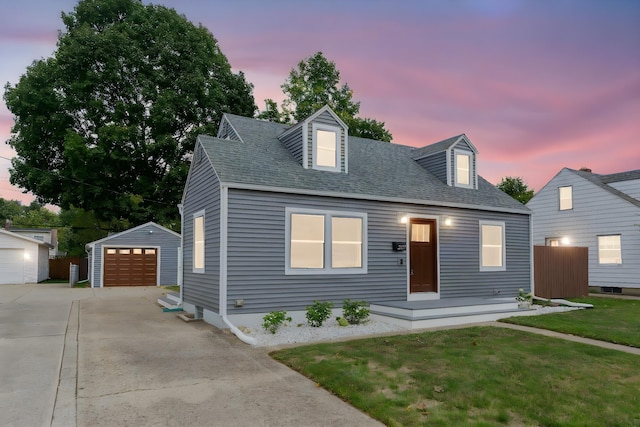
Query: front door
(423,264)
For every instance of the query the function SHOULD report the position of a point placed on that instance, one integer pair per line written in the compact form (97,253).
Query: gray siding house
(275,217)
(146,255)
(601,212)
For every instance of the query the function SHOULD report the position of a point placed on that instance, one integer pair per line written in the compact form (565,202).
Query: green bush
(355,312)
(342,321)
(318,312)
(272,321)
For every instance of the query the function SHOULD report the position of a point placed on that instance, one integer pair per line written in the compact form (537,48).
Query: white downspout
(224,208)
(180,251)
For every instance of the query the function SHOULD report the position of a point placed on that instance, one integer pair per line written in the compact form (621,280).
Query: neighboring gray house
(146,255)
(601,212)
(276,216)
(22,259)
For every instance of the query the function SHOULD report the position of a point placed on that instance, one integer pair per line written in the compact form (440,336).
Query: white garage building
(22,259)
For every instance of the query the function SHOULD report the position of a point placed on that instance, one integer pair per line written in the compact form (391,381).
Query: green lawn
(612,319)
(479,376)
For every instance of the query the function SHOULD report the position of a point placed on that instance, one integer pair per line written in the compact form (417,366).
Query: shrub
(318,312)
(355,312)
(272,321)
(342,321)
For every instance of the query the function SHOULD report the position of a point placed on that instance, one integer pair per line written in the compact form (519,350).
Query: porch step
(174,296)
(447,312)
(418,310)
(169,303)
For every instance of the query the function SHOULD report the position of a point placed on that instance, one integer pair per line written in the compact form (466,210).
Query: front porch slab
(447,312)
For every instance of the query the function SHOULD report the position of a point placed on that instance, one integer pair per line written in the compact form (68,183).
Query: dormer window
(326,155)
(320,142)
(463,169)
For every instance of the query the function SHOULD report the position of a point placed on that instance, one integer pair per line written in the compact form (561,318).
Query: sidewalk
(568,337)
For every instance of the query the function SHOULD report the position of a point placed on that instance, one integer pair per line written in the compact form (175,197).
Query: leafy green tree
(314,84)
(108,123)
(81,227)
(9,210)
(516,188)
(36,216)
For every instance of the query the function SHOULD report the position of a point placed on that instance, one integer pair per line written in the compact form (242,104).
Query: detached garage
(146,255)
(22,259)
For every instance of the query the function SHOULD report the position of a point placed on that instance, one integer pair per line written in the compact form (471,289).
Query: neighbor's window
(326,147)
(198,242)
(609,250)
(492,246)
(566,198)
(321,242)
(463,169)
(552,241)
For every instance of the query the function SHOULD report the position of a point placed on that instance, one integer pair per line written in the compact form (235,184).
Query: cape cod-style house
(277,216)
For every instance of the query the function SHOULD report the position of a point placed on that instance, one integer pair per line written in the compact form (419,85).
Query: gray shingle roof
(377,170)
(602,180)
(435,148)
(620,176)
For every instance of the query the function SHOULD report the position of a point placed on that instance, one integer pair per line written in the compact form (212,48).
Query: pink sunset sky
(536,85)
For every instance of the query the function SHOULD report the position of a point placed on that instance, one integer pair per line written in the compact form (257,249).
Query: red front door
(423,263)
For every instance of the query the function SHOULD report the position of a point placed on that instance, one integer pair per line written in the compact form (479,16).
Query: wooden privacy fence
(59,267)
(561,271)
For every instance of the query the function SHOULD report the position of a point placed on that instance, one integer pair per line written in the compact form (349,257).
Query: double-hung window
(609,249)
(463,168)
(492,246)
(325,242)
(198,242)
(326,147)
(565,195)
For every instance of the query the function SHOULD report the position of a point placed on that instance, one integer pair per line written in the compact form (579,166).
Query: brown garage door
(130,267)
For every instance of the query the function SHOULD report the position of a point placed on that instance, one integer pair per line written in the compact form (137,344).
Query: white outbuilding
(22,259)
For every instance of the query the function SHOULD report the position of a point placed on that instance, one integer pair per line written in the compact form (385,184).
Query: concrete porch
(447,312)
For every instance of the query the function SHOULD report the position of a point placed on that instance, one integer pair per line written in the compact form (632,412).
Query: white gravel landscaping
(302,332)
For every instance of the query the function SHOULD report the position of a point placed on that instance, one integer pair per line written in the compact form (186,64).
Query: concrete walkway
(568,337)
(104,357)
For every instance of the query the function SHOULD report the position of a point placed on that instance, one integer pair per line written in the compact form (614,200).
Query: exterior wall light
(403,218)
(447,221)
(565,241)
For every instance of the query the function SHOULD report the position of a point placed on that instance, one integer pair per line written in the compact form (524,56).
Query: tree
(9,210)
(82,227)
(516,188)
(314,84)
(108,123)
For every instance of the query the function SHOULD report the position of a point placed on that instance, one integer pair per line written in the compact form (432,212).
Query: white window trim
(472,180)
(328,128)
(560,199)
(609,263)
(200,213)
(328,214)
(503,267)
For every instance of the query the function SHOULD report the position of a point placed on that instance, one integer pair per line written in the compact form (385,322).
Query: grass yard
(615,320)
(476,376)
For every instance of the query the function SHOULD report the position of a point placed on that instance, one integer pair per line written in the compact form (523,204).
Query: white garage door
(11,266)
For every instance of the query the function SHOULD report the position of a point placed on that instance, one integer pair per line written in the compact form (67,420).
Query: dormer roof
(377,170)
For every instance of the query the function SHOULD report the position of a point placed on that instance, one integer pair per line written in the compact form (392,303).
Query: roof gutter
(242,186)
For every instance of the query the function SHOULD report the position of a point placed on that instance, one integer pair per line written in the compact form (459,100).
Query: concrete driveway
(110,356)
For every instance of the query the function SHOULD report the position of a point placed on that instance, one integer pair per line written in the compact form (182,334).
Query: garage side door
(130,267)
(11,266)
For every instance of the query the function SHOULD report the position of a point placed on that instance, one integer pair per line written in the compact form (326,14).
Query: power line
(91,185)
